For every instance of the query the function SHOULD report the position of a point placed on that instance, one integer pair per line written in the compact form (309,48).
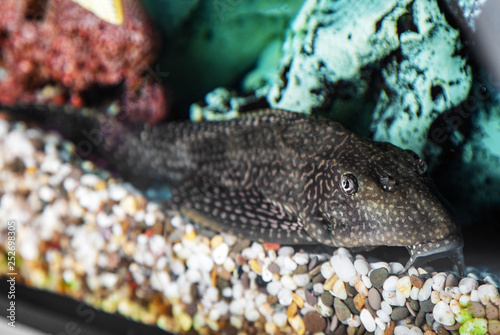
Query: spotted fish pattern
(276,176)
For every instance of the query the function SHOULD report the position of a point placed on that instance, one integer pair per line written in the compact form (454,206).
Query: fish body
(277,176)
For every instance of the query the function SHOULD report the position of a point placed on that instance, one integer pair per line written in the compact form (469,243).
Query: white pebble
(220,253)
(229,265)
(412,271)
(108,279)
(286,251)
(193,275)
(339,290)
(464,300)
(414,293)
(401,330)
(176,221)
(386,308)
(103,220)
(280,319)
(383,316)
(237,307)
(227,292)
(150,219)
(46,193)
(288,282)
(70,184)
(467,284)
(343,267)
(267,275)
(318,288)
(323,310)
(287,267)
(443,314)
(171,290)
(488,292)
(439,280)
(396,267)
(29,246)
(436,297)
(367,320)
(361,266)
(327,270)
(404,286)
(415,331)
(380,324)
(89,180)
(455,306)
(252,315)
(390,283)
(354,321)
(285,297)
(390,297)
(400,298)
(157,245)
(474,297)
(116,192)
(301,279)
(425,291)
(274,287)
(301,258)
(367,281)
(378,265)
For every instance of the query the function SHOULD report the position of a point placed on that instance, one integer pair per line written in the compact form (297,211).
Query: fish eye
(349,183)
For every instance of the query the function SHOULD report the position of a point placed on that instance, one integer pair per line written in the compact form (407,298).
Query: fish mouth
(450,247)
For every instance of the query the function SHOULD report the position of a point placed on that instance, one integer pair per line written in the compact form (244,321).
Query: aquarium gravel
(86,234)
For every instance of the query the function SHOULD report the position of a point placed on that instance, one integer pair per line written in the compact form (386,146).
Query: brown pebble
(327,298)
(491,311)
(454,327)
(399,313)
(420,319)
(427,305)
(292,310)
(341,330)
(274,268)
(352,307)
(378,277)
(476,309)
(494,327)
(300,270)
(310,298)
(415,305)
(359,302)
(318,279)
(314,322)
(312,263)
(352,330)
(451,280)
(430,332)
(315,271)
(389,330)
(342,311)
(374,298)
(333,323)
(416,281)
(245,281)
(351,291)
(442,331)
(272,300)
(361,330)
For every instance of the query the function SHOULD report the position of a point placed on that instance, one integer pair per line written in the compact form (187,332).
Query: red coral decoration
(57,43)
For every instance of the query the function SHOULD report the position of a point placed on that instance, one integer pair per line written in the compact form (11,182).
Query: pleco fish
(277,176)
